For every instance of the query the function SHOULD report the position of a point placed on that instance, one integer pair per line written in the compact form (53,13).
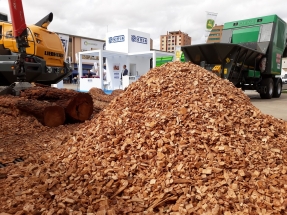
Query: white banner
(65,42)
(210,22)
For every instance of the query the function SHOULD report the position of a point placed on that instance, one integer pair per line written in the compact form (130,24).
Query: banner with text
(210,22)
(89,45)
(65,41)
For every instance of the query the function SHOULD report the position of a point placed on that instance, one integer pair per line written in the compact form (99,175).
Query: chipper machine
(249,54)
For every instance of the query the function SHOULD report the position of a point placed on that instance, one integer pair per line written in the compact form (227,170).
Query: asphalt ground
(276,107)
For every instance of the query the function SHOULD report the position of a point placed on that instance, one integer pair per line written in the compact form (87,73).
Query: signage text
(117,39)
(138,39)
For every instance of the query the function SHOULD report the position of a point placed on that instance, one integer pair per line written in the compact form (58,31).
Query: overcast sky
(93,18)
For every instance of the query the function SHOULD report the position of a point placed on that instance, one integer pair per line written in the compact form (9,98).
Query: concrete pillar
(80,67)
(101,69)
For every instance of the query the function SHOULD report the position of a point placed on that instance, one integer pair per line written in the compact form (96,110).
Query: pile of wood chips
(180,140)
(101,99)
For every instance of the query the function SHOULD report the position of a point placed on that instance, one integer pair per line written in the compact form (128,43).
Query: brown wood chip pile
(23,136)
(117,92)
(101,99)
(8,105)
(180,140)
(96,91)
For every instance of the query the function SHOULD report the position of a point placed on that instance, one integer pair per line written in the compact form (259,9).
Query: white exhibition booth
(126,47)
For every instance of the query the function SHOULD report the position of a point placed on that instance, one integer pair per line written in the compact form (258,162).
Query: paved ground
(276,107)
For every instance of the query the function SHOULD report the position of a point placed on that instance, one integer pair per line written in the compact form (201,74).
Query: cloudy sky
(93,18)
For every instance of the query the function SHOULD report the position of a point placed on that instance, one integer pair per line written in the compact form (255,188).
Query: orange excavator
(29,53)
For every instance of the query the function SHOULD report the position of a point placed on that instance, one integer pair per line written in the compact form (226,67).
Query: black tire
(269,84)
(277,88)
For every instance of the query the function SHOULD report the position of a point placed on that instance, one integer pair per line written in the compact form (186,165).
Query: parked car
(284,79)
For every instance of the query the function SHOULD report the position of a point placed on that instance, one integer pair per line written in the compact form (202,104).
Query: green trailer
(162,60)
(249,54)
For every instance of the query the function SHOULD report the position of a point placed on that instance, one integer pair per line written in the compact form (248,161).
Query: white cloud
(92,18)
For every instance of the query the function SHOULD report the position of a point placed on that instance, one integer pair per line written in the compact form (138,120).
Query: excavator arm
(20,33)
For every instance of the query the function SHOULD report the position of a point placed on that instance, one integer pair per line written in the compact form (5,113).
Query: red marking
(17,17)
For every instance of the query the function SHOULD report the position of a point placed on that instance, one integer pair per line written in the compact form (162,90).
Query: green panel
(250,73)
(162,60)
(250,22)
(245,35)
(253,74)
(257,74)
(279,43)
(182,58)
(281,36)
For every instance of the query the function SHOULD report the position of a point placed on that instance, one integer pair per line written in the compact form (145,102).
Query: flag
(210,22)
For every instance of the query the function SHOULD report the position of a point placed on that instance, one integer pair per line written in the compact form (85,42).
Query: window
(3,17)
(214,30)
(0,31)
(9,34)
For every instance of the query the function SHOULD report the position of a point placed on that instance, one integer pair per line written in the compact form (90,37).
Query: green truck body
(249,54)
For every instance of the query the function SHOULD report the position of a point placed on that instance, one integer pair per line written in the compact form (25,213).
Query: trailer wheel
(268,82)
(277,88)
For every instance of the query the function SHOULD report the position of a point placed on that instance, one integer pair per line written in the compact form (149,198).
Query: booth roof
(107,53)
(84,66)
(76,72)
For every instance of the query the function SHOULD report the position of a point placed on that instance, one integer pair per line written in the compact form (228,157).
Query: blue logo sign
(117,39)
(138,39)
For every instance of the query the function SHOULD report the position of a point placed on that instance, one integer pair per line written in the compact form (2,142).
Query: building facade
(215,34)
(172,39)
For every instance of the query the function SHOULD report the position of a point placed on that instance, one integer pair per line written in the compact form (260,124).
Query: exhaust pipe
(45,21)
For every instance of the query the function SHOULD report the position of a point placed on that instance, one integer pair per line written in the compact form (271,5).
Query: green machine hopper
(162,60)
(249,54)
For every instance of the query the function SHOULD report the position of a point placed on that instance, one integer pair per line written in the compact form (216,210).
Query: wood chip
(180,140)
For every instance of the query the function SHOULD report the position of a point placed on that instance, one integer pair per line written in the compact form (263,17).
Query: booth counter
(87,83)
(127,80)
